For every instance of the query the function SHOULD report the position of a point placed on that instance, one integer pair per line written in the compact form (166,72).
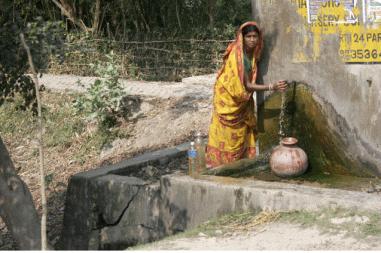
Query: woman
(231,133)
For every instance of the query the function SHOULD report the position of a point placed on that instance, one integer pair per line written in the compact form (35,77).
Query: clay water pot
(287,159)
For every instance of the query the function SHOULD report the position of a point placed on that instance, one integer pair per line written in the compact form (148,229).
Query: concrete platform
(209,197)
(111,208)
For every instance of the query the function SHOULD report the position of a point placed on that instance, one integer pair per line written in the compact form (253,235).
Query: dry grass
(71,145)
(225,226)
(235,223)
(246,221)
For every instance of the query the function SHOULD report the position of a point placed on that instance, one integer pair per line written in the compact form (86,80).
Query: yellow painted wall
(360,42)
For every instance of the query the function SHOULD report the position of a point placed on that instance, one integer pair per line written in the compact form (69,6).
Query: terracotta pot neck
(289,141)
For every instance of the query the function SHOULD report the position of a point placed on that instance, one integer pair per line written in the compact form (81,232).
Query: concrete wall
(109,208)
(188,202)
(350,93)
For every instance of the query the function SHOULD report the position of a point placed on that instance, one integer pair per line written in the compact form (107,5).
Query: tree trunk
(97,14)
(69,12)
(140,12)
(16,205)
(178,15)
(211,11)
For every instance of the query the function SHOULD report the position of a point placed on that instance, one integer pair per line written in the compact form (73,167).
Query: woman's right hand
(281,85)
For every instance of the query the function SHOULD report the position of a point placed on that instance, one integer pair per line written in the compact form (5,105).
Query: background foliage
(44,38)
(152,40)
(140,19)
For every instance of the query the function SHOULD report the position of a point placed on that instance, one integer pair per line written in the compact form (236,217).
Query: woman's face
(251,39)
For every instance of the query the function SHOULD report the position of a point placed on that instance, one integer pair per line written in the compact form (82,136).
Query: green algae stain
(330,165)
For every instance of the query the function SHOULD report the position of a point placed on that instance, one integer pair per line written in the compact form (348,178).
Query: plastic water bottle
(192,158)
(200,147)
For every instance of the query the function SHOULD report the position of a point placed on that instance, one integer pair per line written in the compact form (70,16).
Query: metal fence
(144,60)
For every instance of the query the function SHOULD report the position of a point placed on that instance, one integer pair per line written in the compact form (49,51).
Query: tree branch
(40,146)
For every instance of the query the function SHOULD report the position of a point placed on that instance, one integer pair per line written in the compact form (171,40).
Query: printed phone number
(361,54)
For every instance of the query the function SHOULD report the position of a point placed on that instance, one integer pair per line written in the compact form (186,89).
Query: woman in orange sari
(231,133)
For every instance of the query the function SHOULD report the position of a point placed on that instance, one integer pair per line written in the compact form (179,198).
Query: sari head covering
(237,45)
(231,135)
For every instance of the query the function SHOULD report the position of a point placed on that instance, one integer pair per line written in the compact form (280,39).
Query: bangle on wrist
(270,86)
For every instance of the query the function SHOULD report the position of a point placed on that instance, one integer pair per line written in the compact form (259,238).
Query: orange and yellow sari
(231,132)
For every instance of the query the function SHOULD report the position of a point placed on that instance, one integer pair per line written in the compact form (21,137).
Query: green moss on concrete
(329,163)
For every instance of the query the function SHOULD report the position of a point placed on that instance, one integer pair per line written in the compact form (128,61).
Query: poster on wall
(372,11)
(313,7)
(359,42)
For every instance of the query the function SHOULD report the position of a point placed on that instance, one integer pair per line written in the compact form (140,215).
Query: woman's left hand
(281,85)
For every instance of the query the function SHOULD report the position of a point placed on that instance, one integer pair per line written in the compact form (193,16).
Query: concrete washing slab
(111,208)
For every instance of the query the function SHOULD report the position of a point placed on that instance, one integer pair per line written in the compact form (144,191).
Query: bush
(103,99)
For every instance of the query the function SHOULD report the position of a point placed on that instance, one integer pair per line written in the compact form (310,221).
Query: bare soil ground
(274,236)
(323,230)
(162,115)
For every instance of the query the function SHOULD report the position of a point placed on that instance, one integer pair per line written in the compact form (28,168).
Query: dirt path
(169,111)
(274,236)
(195,87)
